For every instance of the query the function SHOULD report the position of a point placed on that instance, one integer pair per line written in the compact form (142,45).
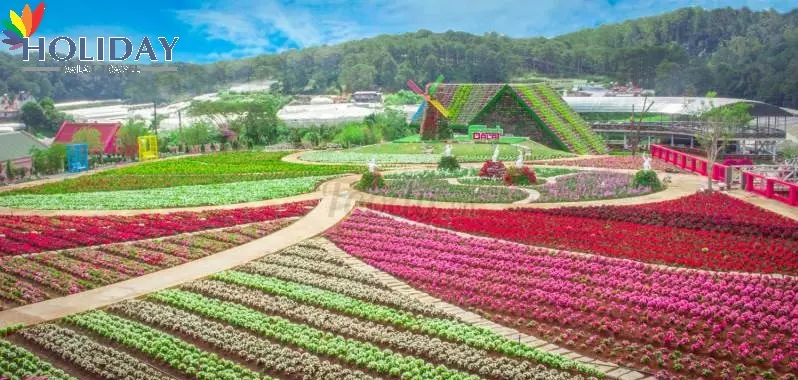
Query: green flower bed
(181,196)
(414,153)
(203,170)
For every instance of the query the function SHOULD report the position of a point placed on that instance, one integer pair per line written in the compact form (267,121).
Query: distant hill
(738,52)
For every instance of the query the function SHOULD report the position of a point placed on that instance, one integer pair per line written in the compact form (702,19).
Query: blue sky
(216,30)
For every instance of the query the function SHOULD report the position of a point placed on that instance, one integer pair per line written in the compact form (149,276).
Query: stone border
(613,371)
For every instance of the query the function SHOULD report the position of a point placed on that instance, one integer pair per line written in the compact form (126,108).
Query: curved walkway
(334,206)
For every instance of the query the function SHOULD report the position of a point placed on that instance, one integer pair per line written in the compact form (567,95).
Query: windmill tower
(431,109)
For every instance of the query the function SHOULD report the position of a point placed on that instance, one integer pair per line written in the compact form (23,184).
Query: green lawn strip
(180,196)
(473,336)
(204,170)
(19,363)
(176,353)
(307,338)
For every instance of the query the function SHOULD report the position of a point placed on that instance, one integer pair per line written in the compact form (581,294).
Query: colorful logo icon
(20,27)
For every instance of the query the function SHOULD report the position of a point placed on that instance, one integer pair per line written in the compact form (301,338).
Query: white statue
(496,154)
(519,163)
(448,151)
(372,164)
(646,163)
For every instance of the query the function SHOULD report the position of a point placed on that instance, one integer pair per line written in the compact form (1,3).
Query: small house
(107,132)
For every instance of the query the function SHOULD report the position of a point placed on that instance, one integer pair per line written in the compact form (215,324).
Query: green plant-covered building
(535,111)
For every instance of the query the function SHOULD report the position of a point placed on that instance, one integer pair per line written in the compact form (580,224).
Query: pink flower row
(748,319)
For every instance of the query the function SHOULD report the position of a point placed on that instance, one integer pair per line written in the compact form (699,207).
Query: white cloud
(257,26)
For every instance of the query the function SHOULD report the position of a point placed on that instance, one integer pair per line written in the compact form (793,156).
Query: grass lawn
(430,152)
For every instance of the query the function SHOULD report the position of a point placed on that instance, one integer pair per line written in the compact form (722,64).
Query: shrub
(492,169)
(522,176)
(370,181)
(647,178)
(448,163)
(9,171)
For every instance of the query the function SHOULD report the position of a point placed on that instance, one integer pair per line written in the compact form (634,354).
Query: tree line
(737,52)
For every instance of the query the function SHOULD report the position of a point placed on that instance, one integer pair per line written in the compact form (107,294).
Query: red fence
(688,162)
(772,188)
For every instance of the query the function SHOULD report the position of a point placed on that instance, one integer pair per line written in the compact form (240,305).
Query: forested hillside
(739,53)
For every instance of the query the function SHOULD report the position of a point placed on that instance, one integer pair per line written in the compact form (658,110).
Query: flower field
(569,186)
(589,185)
(642,234)
(673,323)
(37,277)
(298,314)
(442,191)
(168,197)
(30,234)
(189,171)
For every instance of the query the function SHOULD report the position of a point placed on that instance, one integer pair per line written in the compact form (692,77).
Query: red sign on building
(485,136)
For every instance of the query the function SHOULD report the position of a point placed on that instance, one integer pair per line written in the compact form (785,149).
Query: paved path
(612,370)
(768,204)
(335,205)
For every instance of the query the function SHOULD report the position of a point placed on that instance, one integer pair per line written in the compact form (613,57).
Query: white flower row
(103,361)
(180,196)
(286,259)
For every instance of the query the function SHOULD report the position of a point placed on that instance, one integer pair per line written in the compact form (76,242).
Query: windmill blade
(415,88)
(434,87)
(438,106)
(419,112)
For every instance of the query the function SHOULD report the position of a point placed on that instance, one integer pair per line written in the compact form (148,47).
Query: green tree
(199,133)
(32,114)
(718,125)
(358,77)
(91,137)
(127,137)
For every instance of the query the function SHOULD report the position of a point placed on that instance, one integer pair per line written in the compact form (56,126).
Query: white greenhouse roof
(663,105)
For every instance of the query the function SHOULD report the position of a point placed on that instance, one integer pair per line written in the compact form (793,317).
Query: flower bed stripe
(453,355)
(618,310)
(313,340)
(447,329)
(160,346)
(78,231)
(270,356)
(349,288)
(648,243)
(89,355)
(19,363)
(181,196)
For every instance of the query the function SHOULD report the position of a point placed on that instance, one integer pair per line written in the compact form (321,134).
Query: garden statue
(519,163)
(448,151)
(372,165)
(496,154)
(647,163)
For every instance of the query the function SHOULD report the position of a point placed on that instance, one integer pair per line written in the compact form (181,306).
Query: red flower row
(710,212)
(647,243)
(30,234)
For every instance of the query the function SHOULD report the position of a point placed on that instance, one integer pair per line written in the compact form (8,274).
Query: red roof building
(107,133)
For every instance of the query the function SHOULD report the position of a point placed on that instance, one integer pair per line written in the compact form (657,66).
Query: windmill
(431,108)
